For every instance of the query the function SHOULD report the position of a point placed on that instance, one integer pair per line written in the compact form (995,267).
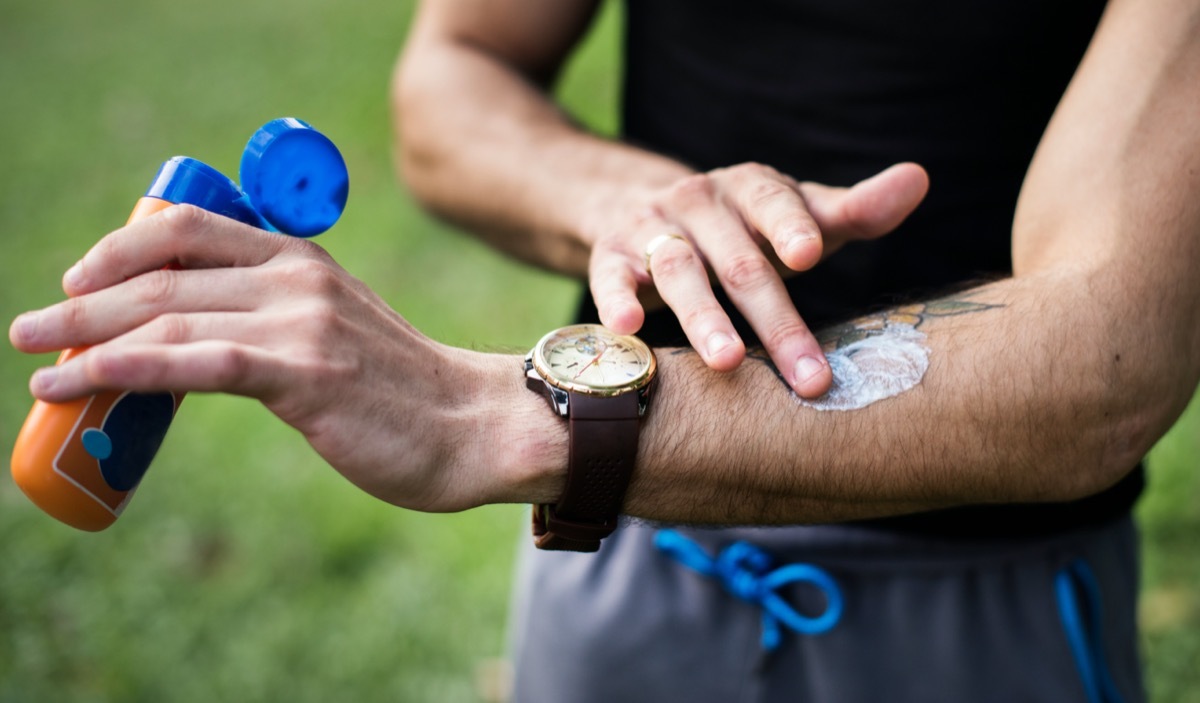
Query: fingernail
(807,367)
(27,325)
(717,342)
(798,241)
(73,278)
(44,379)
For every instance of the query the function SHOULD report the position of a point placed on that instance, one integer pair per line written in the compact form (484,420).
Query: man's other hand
(742,225)
(275,318)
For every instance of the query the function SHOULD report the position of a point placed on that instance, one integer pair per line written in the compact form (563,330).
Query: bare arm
(1046,386)
(481,143)
(1091,353)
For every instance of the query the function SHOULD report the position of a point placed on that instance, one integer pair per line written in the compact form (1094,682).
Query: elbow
(1084,460)
(414,152)
(1125,426)
(1117,448)
(1129,372)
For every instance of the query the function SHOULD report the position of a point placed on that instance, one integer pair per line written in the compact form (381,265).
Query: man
(833,93)
(1046,386)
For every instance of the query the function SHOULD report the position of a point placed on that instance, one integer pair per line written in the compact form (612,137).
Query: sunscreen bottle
(81,461)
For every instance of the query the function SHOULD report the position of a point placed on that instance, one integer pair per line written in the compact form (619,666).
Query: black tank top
(835,91)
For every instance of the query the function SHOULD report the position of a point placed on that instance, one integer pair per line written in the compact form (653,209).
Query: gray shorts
(924,619)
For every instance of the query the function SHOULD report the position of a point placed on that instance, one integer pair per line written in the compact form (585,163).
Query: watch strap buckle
(556,533)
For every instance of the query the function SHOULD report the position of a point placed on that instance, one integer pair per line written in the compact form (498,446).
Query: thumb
(871,208)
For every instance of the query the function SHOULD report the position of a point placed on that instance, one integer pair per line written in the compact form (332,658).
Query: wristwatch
(600,382)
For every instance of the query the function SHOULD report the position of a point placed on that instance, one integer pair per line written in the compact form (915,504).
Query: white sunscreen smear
(885,364)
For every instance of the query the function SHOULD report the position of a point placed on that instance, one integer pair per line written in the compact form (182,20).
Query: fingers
(181,234)
(212,365)
(871,208)
(614,284)
(681,278)
(240,327)
(805,221)
(724,213)
(727,214)
(102,315)
(755,287)
(196,329)
(771,205)
(682,281)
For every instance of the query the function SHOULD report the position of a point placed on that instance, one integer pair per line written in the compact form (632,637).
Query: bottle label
(113,442)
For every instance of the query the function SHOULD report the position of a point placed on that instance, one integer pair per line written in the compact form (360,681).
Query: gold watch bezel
(542,366)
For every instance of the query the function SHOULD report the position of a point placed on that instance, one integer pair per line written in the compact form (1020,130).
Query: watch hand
(589,364)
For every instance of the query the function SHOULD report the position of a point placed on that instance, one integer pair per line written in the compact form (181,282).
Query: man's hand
(275,318)
(1054,396)
(745,225)
(480,142)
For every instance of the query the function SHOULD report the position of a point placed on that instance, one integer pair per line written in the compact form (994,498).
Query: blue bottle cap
(185,180)
(295,177)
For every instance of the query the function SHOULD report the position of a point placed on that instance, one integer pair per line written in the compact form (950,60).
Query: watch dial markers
(591,357)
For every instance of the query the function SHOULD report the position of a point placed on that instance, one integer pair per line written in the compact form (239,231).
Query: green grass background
(246,569)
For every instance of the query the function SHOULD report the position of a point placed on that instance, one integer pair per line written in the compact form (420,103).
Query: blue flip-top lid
(182,179)
(295,177)
(294,181)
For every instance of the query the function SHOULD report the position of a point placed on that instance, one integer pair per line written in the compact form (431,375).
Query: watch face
(591,359)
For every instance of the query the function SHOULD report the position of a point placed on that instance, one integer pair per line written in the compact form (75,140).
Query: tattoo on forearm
(848,333)
(877,356)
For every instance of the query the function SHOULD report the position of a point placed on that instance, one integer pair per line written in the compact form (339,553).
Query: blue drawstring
(742,569)
(1087,644)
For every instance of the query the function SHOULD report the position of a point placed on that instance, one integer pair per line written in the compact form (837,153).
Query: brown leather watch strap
(603,441)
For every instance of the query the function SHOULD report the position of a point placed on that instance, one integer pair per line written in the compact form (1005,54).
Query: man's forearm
(1037,389)
(483,145)
(1051,390)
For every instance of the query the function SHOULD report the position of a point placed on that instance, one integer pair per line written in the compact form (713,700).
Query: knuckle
(231,365)
(616,269)
(670,262)
(108,250)
(856,218)
(766,192)
(156,288)
(97,366)
(308,249)
(776,335)
(753,170)
(172,328)
(605,248)
(613,245)
(695,189)
(323,318)
(311,274)
(74,313)
(746,272)
(613,285)
(185,220)
(310,329)
(693,318)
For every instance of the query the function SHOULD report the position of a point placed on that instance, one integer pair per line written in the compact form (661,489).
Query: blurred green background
(245,569)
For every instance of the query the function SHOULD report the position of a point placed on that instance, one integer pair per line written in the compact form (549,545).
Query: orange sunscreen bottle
(82,460)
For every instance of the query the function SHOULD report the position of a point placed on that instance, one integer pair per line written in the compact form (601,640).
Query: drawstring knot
(745,571)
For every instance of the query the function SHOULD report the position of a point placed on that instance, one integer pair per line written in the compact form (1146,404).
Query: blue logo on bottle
(131,435)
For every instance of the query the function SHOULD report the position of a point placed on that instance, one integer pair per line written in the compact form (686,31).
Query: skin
(1051,389)
(886,351)
(469,93)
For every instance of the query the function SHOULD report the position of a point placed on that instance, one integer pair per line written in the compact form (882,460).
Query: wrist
(520,450)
